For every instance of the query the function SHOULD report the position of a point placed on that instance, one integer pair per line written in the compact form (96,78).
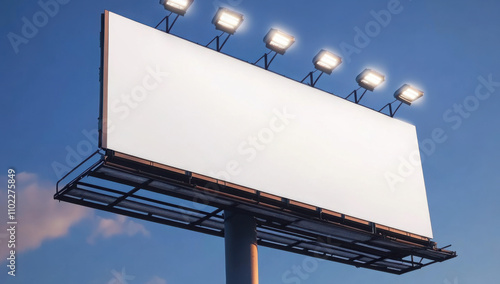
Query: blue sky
(50,97)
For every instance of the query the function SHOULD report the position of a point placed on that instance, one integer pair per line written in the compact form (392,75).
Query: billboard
(173,102)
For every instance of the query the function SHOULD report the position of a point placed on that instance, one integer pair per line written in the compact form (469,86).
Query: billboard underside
(176,103)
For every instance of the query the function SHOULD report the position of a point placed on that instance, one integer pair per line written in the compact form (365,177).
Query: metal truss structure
(126,185)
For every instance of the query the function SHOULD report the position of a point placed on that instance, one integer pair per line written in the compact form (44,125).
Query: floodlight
(408,94)
(278,41)
(326,61)
(227,21)
(177,6)
(369,79)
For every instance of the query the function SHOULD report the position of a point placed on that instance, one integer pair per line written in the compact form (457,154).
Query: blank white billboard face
(174,102)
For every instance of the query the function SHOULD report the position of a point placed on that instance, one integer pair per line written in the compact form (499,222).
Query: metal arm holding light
(368,80)
(278,42)
(312,81)
(406,94)
(178,7)
(267,62)
(355,93)
(226,21)
(391,112)
(325,62)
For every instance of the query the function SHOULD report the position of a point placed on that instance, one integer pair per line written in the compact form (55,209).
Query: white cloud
(157,280)
(119,225)
(39,216)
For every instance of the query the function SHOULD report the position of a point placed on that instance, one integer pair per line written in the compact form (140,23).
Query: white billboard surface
(180,104)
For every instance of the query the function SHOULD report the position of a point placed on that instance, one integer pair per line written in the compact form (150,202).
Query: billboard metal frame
(131,186)
(142,189)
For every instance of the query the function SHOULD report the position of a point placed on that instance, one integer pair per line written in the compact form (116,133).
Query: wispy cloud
(39,216)
(157,280)
(119,225)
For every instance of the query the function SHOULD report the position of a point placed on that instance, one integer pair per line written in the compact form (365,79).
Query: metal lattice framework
(145,190)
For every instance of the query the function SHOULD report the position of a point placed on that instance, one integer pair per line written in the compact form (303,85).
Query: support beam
(240,237)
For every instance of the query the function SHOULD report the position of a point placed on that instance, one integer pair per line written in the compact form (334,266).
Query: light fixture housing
(408,94)
(326,61)
(370,79)
(227,21)
(278,41)
(177,6)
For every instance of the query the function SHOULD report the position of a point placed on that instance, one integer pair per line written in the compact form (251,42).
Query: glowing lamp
(326,61)
(177,6)
(369,79)
(278,41)
(408,94)
(227,21)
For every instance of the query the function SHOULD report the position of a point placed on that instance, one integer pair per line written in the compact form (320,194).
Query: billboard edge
(103,100)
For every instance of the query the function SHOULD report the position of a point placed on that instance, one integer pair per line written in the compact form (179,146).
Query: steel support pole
(240,238)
